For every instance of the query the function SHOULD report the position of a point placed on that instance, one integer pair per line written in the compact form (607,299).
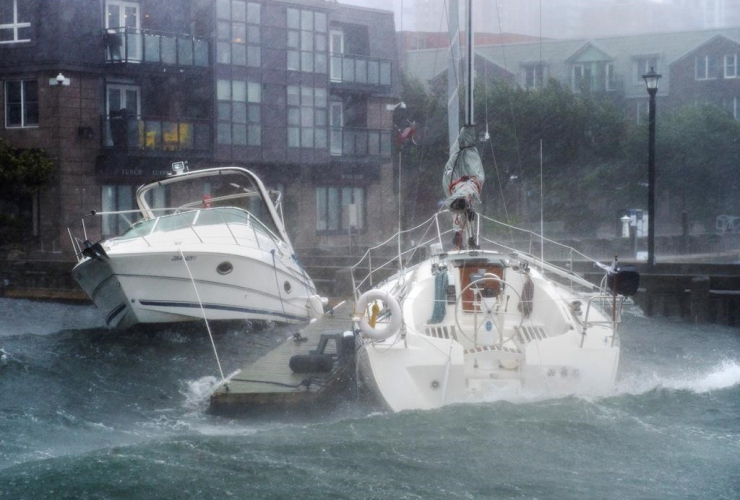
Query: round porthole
(288,288)
(435,384)
(225,268)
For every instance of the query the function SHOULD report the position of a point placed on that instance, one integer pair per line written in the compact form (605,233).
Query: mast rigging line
(424,149)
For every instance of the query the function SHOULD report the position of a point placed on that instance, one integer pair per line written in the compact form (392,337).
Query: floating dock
(270,385)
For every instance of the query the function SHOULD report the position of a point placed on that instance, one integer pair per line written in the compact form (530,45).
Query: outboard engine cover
(626,279)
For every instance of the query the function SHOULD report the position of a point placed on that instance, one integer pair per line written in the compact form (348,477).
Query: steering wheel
(486,277)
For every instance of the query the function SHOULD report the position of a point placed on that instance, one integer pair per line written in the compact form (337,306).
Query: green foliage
(24,171)
(595,160)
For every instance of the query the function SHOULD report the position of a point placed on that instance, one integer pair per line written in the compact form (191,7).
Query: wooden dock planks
(269,383)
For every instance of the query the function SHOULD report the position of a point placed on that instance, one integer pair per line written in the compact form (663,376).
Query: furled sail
(463,175)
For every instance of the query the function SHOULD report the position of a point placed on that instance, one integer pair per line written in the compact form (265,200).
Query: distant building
(697,67)
(295,90)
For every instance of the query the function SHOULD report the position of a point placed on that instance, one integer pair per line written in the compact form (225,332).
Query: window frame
(298,56)
(302,111)
(24,103)
(642,65)
(339,208)
(705,59)
(735,74)
(538,76)
(15,26)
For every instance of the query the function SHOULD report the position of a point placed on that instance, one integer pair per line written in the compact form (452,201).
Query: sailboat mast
(469,60)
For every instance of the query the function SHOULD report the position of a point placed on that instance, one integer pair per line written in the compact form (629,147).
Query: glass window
(293,18)
(307,116)
(238,121)
(21,104)
(255,92)
(731,66)
(238,10)
(223,9)
(15,21)
(254,14)
(117,198)
(238,23)
(306,34)
(223,90)
(340,209)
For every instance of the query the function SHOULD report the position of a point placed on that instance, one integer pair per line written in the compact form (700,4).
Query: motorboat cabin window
(227,197)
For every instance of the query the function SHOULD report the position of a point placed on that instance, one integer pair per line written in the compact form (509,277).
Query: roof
(557,55)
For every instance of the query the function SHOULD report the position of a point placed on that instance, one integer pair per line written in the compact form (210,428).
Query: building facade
(297,91)
(696,66)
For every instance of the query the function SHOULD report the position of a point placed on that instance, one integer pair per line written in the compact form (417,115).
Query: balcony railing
(363,70)
(157,135)
(132,45)
(360,142)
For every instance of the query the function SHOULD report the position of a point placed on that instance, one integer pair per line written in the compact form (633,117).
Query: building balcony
(157,136)
(360,70)
(149,48)
(360,143)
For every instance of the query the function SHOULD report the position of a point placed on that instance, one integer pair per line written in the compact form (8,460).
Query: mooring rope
(208,327)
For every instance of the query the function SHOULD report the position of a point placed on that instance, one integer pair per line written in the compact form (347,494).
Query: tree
(22,174)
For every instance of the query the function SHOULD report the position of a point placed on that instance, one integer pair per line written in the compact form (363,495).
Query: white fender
(316,305)
(391,302)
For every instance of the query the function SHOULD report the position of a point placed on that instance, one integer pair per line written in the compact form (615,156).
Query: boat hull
(156,286)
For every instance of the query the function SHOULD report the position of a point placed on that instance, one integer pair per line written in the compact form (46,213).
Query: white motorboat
(220,252)
(475,324)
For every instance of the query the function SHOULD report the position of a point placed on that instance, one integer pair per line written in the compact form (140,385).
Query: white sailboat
(472,324)
(220,252)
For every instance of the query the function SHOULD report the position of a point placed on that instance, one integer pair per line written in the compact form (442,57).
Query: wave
(722,376)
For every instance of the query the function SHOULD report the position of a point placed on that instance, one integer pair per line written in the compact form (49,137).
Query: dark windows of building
(15,21)
(21,104)
(533,76)
(581,76)
(307,41)
(340,209)
(611,79)
(123,29)
(116,198)
(238,33)
(731,66)
(239,113)
(642,66)
(307,117)
(706,67)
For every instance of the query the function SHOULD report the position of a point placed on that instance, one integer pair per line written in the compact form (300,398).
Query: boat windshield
(231,192)
(195,218)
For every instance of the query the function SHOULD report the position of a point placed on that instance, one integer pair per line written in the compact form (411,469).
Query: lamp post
(651,81)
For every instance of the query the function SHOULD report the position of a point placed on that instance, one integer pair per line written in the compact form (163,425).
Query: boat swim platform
(268,385)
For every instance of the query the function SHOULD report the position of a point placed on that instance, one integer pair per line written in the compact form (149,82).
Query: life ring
(360,317)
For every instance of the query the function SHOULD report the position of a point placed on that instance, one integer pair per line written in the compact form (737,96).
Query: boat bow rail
(365,271)
(192,220)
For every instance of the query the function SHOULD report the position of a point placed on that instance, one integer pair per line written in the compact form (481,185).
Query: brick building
(298,91)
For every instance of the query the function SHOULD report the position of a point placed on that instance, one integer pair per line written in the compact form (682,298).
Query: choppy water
(86,413)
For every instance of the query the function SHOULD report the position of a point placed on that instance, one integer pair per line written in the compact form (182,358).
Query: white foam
(198,391)
(722,376)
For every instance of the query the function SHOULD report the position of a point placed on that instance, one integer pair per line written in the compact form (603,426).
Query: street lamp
(651,81)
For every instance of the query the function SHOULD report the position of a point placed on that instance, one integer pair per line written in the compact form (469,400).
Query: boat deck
(268,384)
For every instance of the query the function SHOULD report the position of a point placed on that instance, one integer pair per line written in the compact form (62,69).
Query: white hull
(221,252)
(155,287)
(425,366)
